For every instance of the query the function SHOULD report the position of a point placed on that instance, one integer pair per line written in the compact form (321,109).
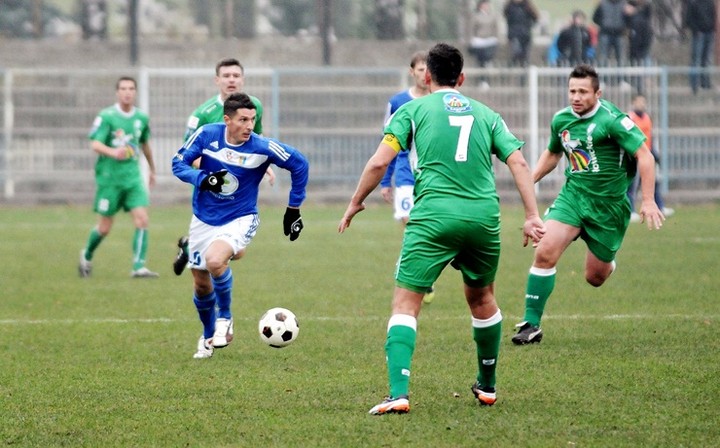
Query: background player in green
(118,135)
(604,149)
(229,78)
(456,217)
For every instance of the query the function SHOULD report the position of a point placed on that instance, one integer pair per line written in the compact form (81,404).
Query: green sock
(487,334)
(139,245)
(93,242)
(540,285)
(399,348)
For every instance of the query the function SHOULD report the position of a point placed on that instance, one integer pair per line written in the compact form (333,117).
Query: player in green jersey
(229,78)
(119,133)
(604,149)
(456,218)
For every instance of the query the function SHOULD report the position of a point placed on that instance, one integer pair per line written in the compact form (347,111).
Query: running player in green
(229,78)
(119,133)
(604,149)
(456,217)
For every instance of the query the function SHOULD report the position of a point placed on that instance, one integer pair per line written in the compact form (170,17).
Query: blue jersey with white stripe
(400,165)
(246,165)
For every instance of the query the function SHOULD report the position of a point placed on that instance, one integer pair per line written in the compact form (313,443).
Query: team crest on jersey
(578,158)
(454,102)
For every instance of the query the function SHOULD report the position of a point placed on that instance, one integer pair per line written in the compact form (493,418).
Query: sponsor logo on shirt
(454,102)
(577,158)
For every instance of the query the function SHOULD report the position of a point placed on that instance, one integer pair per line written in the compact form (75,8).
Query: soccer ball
(278,327)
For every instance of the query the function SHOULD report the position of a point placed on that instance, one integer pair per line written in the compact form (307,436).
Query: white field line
(163,320)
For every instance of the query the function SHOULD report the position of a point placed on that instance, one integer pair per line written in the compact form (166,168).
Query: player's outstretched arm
(545,164)
(533,228)
(649,211)
(369,179)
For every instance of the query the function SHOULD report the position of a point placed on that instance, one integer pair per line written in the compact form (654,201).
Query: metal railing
(332,115)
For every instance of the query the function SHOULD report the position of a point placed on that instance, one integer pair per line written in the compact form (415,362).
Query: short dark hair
(237,101)
(420,56)
(586,71)
(125,78)
(445,63)
(228,62)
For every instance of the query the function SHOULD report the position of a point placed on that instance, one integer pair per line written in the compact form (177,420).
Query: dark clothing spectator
(610,18)
(574,44)
(640,32)
(640,37)
(700,18)
(520,15)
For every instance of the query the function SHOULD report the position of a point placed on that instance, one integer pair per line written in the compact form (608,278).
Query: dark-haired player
(229,78)
(604,149)
(119,134)
(233,161)
(456,218)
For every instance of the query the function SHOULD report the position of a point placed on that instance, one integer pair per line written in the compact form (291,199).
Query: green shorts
(109,199)
(602,222)
(430,244)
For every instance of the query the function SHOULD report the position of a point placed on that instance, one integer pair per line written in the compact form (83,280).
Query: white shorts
(238,234)
(403,201)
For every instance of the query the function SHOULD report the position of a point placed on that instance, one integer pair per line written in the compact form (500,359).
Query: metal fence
(332,115)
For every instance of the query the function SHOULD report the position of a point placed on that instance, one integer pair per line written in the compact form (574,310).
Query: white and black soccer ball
(278,327)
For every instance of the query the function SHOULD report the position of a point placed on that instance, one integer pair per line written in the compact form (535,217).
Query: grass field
(107,361)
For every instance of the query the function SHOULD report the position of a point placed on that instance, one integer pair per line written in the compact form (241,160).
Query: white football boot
(223,333)
(84,266)
(204,348)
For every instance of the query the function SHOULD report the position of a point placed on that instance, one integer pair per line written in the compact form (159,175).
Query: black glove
(214,181)
(292,223)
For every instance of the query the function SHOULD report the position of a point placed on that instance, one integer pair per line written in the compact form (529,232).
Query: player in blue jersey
(233,161)
(399,168)
(402,195)
(229,78)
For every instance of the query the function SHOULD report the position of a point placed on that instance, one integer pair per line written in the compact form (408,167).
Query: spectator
(484,40)
(610,18)
(573,42)
(642,120)
(638,15)
(700,18)
(520,15)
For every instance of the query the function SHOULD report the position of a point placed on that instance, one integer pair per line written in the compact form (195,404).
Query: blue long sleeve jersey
(246,165)
(400,165)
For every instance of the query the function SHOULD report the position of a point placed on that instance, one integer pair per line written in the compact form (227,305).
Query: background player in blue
(400,166)
(233,161)
(402,195)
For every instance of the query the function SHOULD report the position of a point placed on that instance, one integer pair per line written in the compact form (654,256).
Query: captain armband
(392,142)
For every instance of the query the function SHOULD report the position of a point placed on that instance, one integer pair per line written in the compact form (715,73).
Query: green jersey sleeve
(627,134)
(504,141)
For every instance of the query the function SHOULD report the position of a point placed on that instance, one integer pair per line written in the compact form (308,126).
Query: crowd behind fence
(332,115)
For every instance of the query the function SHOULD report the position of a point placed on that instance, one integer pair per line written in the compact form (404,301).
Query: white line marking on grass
(164,320)
(703,240)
